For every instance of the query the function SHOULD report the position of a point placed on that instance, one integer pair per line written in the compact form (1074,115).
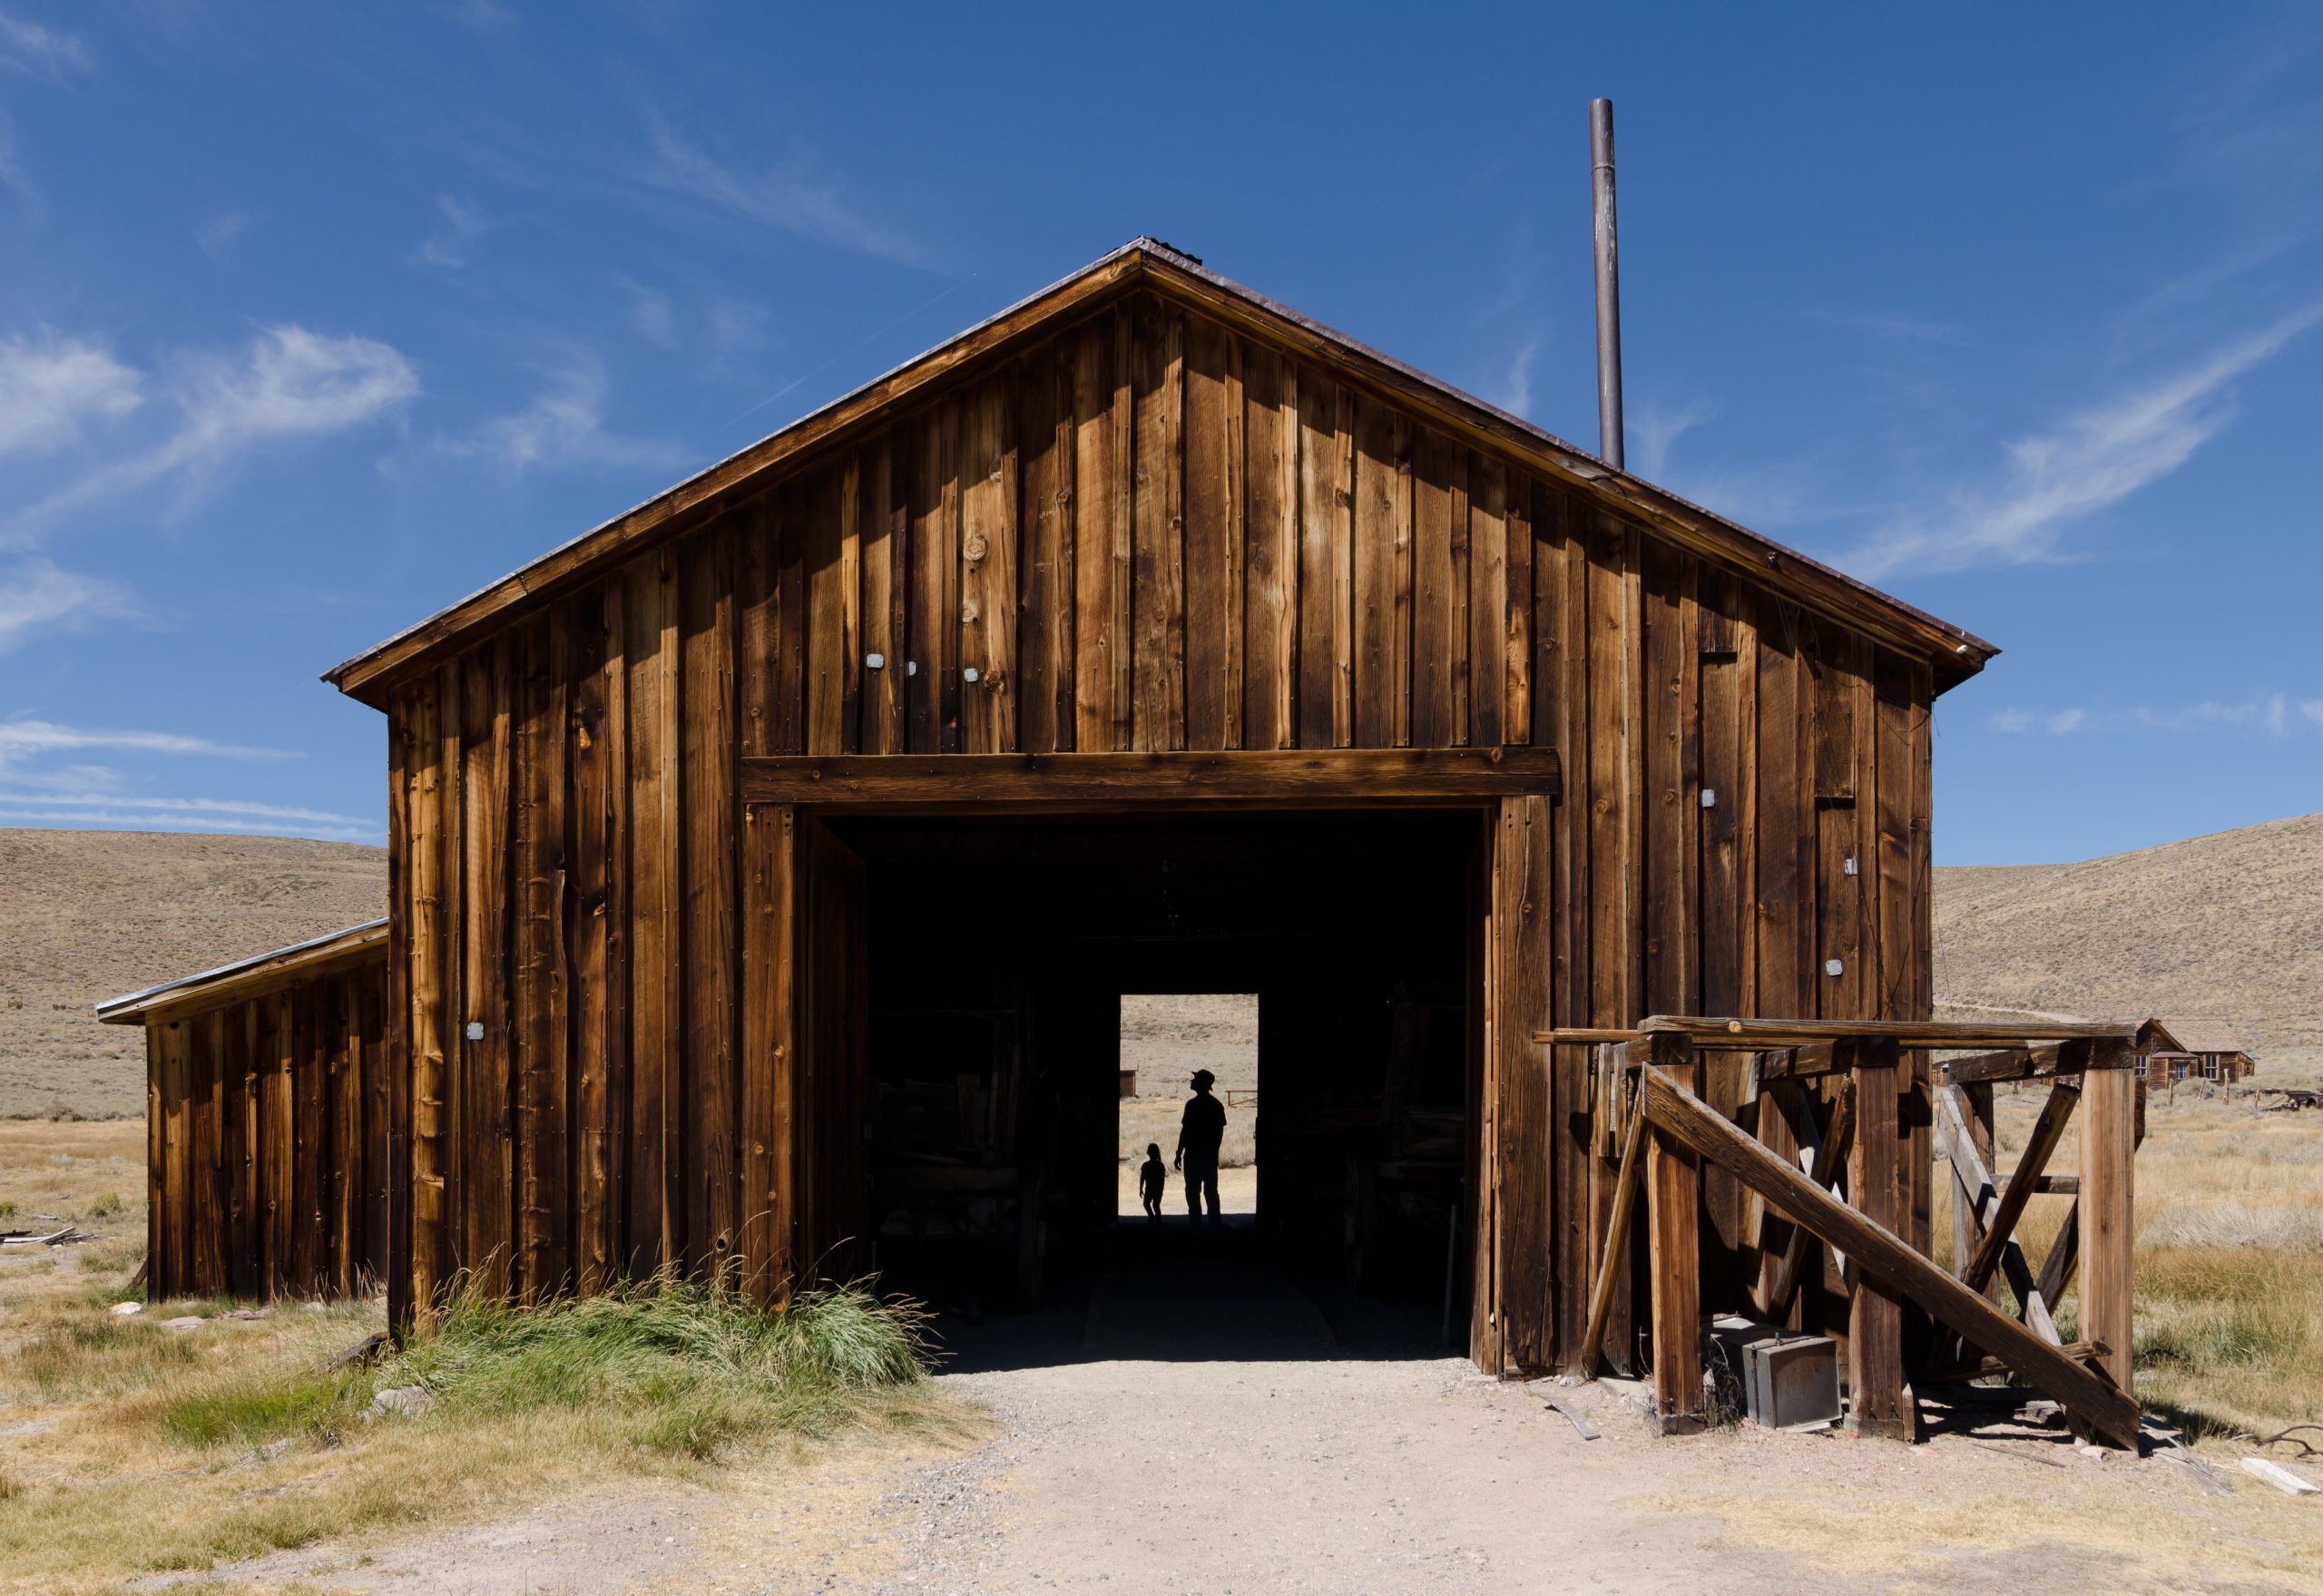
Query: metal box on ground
(1789,1381)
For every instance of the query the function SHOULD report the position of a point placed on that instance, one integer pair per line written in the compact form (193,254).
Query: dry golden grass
(127,1447)
(2229,1259)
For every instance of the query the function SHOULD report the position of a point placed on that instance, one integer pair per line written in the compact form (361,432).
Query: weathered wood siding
(268,1170)
(1147,532)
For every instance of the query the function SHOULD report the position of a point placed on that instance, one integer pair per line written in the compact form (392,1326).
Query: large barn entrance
(983,1028)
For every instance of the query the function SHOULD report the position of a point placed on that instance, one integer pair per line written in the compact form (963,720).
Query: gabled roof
(249,977)
(2189,1034)
(1952,654)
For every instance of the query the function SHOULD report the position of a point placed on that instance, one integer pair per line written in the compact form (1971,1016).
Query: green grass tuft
(678,1368)
(251,1413)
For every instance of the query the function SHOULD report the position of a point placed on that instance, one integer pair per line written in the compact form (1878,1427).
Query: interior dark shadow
(999,952)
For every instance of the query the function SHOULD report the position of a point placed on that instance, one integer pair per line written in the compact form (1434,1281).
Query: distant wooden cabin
(765,864)
(2191,1049)
(267,1085)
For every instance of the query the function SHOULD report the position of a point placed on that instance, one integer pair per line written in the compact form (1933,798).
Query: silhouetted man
(1199,1133)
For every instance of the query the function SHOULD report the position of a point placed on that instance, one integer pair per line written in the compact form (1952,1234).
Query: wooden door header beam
(1335,777)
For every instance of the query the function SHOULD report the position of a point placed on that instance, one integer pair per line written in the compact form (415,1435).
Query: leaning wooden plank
(2000,1228)
(2102,1407)
(1617,1235)
(1974,1177)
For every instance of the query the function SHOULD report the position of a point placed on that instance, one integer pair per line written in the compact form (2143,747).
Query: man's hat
(1204,1078)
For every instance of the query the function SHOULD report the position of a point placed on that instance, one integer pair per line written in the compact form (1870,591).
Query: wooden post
(1673,1180)
(2108,1153)
(1876,1402)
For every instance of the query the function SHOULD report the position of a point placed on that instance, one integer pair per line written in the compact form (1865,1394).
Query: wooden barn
(767,865)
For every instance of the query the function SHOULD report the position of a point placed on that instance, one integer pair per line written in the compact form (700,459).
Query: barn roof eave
(1954,653)
(218,985)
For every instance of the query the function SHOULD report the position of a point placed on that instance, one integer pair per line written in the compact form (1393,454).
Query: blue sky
(314,319)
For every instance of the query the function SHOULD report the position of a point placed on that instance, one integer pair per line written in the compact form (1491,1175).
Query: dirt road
(1196,1427)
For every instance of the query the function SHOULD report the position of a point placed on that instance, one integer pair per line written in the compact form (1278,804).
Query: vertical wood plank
(158,1261)
(833,596)
(1102,651)
(708,1115)
(1215,535)
(988,560)
(1045,645)
(404,754)
(1673,1228)
(1523,914)
(421,947)
(650,626)
(767,1053)
(487,1184)
(1382,576)
(1270,566)
(595,1136)
(1326,572)
(1609,656)
(932,660)
(2107,1209)
(1158,600)
(1487,641)
(885,518)
(1439,635)
(1876,1398)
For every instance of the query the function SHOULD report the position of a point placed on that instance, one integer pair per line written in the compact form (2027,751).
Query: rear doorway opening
(1017,968)
(1168,1042)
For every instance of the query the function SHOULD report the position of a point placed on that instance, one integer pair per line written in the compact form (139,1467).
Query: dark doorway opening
(998,952)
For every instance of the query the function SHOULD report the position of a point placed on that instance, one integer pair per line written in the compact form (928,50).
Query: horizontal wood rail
(2020,1051)
(1125,780)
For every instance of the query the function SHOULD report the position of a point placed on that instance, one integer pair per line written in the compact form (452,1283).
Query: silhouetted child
(1151,1177)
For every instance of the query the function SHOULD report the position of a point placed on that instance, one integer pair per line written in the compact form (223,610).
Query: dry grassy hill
(2228,924)
(90,914)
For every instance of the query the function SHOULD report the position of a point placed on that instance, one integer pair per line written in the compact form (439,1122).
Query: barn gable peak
(1148,264)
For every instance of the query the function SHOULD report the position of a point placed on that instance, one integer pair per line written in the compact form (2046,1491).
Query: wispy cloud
(46,779)
(464,223)
(25,738)
(2271,715)
(564,424)
(1657,427)
(215,237)
(289,383)
(28,47)
(35,596)
(2054,480)
(1912,328)
(106,811)
(735,329)
(484,15)
(651,312)
(792,195)
(1512,391)
(50,385)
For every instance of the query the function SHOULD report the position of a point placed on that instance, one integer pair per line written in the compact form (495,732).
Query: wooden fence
(1860,1102)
